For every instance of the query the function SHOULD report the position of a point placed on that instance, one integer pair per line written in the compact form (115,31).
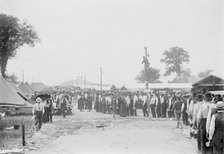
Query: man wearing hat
(190,106)
(184,110)
(177,108)
(216,131)
(212,110)
(38,110)
(201,122)
(197,105)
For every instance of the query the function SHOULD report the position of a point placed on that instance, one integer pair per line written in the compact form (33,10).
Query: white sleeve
(182,107)
(208,121)
(199,115)
(212,127)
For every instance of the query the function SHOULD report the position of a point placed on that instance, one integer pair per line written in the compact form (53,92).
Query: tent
(26,90)
(8,95)
(38,86)
(25,109)
(29,87)
(210,83)
(18,90)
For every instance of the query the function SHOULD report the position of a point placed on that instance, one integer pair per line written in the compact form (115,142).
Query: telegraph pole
(101,80)
(146,66)
(22,76)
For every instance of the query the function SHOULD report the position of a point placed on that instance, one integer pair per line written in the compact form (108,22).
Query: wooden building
(210,83)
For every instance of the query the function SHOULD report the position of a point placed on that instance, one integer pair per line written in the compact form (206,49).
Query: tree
(124,88)
(113,88)
(184,77)
(174,58)
(151,76)
(13,35)
(205,73)
(12,77)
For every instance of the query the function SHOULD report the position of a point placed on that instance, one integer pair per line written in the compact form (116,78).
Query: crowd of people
(47,105)
(202,112)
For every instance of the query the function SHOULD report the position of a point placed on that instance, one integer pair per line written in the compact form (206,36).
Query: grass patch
(12,138)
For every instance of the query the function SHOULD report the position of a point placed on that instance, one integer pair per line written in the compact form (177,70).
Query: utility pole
(101,80)
(146,65)
(22,76)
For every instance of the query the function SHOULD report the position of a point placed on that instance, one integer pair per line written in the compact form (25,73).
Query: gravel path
(137,135)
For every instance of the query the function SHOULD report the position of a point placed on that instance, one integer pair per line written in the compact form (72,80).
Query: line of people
(206,112)
(126,104)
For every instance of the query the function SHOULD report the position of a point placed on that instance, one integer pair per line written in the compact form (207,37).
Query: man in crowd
(163,105)
(201,123)
(134,107)
(64,106)
(177,109)
(216,131)
(153,103)
(184,110)
(144,106)
(38,110)
(198,102)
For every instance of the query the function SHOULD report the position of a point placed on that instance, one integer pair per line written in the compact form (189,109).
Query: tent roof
(38,86)
(210,81)
(29,87)
(17,89)
(8,95)
(24,88)
(27,105)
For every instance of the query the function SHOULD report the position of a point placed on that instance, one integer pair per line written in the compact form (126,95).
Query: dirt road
(132,135)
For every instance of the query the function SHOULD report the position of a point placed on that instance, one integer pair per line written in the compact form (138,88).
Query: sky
(80,36)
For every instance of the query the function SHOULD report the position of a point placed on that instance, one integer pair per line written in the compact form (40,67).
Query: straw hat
(220,105)
(38,100)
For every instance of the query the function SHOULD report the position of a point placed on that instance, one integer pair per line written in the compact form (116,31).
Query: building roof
(154,86)
(209,81)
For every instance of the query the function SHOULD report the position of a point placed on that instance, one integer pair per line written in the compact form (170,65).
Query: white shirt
(154,100)
(38,107)
(144,98)
(135,99)
(109,100)
(212,126)
(191,108)
(209,117)
(127,99)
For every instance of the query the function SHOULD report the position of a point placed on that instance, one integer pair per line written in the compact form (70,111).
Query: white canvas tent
(8,95)
(25,89)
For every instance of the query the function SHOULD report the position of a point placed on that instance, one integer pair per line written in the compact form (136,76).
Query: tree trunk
(3,63)
(147,85)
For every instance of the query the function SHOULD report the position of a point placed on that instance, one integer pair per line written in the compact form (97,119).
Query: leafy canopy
(13,35)
(151,75)
(174,59)
(204,73)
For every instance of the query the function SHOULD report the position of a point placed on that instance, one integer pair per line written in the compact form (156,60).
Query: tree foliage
(205,73)
(12,77)
(13,35)
(174,59)
(151,76)
(113,88)
(184,77)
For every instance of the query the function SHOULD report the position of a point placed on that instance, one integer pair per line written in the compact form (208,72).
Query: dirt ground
(132,135)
